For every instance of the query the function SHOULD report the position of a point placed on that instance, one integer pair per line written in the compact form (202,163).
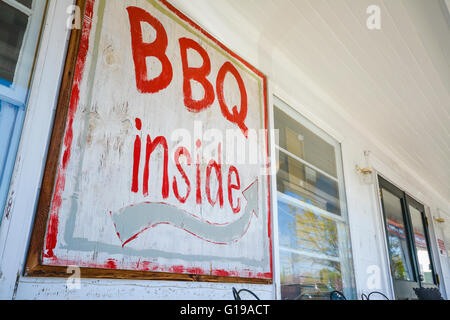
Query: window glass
(302,229)
(308,278)
(397,236)
(420,241)
(305,144)
(314,240)
(19,33)
(26,3)
(13,24)
(304,183)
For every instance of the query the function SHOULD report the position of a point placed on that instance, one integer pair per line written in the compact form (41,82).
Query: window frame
(276,101)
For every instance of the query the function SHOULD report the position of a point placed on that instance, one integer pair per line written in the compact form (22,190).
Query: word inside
(233,180)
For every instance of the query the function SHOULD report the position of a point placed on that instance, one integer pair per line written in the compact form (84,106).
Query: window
(20,25)
(314,242)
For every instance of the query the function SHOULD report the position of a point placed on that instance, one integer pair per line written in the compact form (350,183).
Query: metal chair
(337,295)
(236,294)
(367,297)
(428,294)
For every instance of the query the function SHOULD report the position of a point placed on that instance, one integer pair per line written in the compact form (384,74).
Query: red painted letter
(182,151)
(235,187)
(136,158)
(143,50)
(197,74)
(151,146)
(237,117)
(218,167)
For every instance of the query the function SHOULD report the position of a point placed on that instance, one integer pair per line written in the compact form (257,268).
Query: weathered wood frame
(34,266)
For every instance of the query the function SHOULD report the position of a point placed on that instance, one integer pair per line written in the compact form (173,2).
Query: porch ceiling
(394,82)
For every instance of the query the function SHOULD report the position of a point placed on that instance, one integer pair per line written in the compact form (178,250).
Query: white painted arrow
(132,221)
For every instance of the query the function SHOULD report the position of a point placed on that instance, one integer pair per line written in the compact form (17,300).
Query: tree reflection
(314,233)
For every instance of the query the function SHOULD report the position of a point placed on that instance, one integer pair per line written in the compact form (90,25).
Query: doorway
(408,241)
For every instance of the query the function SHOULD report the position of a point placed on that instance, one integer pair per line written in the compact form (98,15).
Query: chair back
(428,294)
(236,294)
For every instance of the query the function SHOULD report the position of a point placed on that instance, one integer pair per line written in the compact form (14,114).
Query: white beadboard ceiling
(394,82)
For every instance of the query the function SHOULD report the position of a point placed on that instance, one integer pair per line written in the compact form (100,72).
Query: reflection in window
(304,183)
(13,24)
(398,241)
(305,144)
(420,241)
(315,251)
(301,229)
(308,278)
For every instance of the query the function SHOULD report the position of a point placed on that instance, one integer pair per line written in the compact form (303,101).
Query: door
(408,241)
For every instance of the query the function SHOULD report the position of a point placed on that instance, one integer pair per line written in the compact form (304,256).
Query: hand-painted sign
(164,162)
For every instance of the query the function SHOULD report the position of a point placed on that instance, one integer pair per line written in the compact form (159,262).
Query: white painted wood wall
(367,233)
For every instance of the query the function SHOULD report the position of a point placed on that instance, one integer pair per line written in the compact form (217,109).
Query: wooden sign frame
(34,266)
